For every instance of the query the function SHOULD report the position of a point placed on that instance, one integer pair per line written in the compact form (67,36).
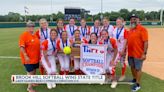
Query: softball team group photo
(48,49)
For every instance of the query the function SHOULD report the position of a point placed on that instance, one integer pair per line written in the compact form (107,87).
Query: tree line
(125,13)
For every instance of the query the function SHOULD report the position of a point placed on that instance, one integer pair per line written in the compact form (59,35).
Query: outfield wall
(15,25)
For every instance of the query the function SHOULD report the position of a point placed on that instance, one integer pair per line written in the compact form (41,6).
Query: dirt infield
(154,64)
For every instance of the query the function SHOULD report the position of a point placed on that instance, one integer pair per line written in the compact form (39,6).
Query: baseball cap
(30,24)
(133,16)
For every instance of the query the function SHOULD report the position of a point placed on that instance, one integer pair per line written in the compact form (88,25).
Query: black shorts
(31,67)
(136,63)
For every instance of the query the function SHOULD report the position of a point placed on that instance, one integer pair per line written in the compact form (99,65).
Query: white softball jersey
(84,31)
(120,34)
(96,30)
(50,47)
(64,59)
(109,28)
(70,30)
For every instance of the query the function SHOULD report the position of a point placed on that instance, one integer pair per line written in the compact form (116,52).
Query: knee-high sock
(123,69)
(41,69)
(61,72)
(113,72)
(77,72)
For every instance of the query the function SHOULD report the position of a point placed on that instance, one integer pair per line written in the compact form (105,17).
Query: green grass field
(9,47)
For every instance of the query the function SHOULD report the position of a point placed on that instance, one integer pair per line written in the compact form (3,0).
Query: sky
(53,6)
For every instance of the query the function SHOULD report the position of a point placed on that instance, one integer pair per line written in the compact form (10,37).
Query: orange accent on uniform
(41,69)
(58,44)
(123,70)
(45,45)
(65,28)
(85,41)
(31,45)
(89,30)
(113,43)
(136,39)
(37,34)
(125,34)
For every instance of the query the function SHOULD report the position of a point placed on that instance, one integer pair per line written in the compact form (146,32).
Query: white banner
(58,79)
(93,59)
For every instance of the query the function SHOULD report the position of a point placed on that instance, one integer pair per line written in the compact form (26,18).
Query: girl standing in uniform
(120,34)
(43,33)
(49,56)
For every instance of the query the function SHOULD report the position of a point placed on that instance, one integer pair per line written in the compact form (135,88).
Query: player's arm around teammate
(30,51)
(49,56)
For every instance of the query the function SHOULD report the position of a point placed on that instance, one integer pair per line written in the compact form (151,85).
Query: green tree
(114,15)
(141,14)
(13,16)
(60,15)
(124,13)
